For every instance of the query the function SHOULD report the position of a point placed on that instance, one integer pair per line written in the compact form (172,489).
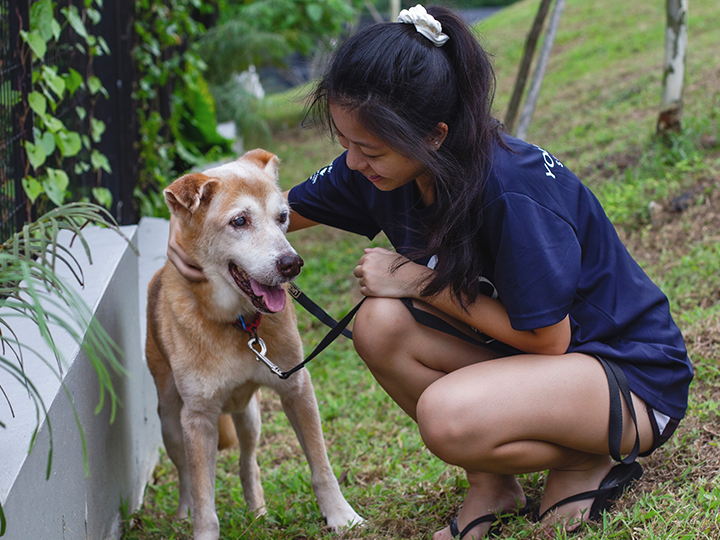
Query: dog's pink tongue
(274,296)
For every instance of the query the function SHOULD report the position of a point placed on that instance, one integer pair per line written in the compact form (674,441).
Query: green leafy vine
(58,147)
(176,111)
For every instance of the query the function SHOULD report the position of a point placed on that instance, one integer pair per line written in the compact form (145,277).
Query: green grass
(597,113)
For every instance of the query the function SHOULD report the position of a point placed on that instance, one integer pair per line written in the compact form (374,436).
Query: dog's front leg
(300,406)
(200,436)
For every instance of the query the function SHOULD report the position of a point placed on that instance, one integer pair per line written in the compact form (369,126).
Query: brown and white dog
(234,219)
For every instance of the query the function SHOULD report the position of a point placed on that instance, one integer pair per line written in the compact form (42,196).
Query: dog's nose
(289,265)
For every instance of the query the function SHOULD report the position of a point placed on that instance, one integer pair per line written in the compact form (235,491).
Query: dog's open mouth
(265,298)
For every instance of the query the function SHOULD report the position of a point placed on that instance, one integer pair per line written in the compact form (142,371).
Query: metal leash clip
(260,356)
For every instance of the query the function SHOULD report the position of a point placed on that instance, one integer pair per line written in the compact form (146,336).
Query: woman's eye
(238,222)
(283,217)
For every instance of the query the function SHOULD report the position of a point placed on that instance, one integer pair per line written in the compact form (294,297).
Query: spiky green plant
(31,288)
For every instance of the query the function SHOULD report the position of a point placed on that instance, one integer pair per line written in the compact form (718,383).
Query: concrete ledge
(122,455)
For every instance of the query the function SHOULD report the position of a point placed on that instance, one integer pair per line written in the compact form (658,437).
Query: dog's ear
(185,194)
(267,161)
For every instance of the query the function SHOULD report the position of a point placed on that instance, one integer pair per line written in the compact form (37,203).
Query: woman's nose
(355,160)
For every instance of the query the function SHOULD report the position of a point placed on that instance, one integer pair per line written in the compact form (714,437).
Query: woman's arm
(297,222)
(486,314)
(490,317)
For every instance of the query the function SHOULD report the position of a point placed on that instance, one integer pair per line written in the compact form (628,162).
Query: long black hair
(399,86)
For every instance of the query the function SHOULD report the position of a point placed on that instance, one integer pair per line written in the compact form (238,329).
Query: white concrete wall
(121,455)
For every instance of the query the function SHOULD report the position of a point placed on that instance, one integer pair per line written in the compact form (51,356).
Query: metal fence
(15,123)
(117,73)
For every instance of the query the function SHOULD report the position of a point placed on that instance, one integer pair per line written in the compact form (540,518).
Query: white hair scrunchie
(424,23)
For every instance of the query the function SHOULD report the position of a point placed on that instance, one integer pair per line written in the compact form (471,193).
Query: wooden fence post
(539,73)
(525,64)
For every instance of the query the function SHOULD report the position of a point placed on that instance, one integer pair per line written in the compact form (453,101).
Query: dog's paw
(346,521)
(259,511)
(183,511)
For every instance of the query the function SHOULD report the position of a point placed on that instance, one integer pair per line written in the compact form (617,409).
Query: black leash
(336,328)
(436,323)
(616,378)
(316,310)
(328,339)
(618,385)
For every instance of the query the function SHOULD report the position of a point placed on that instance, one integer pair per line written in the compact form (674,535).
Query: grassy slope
(596,112)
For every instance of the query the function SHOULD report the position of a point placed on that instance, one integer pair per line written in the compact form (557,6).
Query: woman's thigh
(385,331)
(525,412)
(404,356)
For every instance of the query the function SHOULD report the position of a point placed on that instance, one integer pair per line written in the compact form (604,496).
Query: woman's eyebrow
(364,144)
(368,145)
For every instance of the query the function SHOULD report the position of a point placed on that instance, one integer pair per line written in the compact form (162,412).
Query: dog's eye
(238,222)
(283,217)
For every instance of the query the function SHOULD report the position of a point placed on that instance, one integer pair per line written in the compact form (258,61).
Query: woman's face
(385,168)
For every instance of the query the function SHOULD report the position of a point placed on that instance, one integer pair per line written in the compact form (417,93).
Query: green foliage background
(189,50)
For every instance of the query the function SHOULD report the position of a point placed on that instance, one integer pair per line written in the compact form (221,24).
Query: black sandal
(617,481)
(497,520)
(456,533)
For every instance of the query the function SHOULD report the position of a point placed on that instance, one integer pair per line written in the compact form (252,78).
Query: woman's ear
(438,135)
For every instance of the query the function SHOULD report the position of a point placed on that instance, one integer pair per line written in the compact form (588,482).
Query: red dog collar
(249,327)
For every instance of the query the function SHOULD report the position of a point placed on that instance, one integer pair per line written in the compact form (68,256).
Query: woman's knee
(379,327)
(444,425)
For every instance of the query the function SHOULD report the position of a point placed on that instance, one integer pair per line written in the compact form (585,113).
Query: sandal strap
(577,497)
(456,533)
(612,486)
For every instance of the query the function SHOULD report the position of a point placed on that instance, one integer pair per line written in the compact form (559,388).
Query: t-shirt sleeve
(537,260)
(333,196)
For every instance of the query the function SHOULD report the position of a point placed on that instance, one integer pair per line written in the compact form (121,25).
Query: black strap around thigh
(436,323)
(618,385)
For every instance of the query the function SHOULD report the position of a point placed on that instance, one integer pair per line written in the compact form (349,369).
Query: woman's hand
(377,278)
(175,253)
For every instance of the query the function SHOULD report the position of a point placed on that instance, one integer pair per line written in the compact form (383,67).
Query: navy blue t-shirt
(551,251)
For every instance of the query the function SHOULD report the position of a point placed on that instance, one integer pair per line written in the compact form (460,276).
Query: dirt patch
(678,223)
(613,167)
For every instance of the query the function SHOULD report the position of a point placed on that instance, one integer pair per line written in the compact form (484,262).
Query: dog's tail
(227,438)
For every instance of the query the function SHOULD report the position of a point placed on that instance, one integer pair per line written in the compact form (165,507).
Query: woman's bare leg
(528,413)
(404,356)
(497,418)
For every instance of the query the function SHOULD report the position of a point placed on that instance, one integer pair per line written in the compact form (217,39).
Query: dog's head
(234,219)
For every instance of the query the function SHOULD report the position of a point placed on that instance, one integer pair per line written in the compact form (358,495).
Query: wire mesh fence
(116,71)
(15,125)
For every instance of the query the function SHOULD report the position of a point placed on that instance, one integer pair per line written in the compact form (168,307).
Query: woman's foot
(488,494)
(562,483)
